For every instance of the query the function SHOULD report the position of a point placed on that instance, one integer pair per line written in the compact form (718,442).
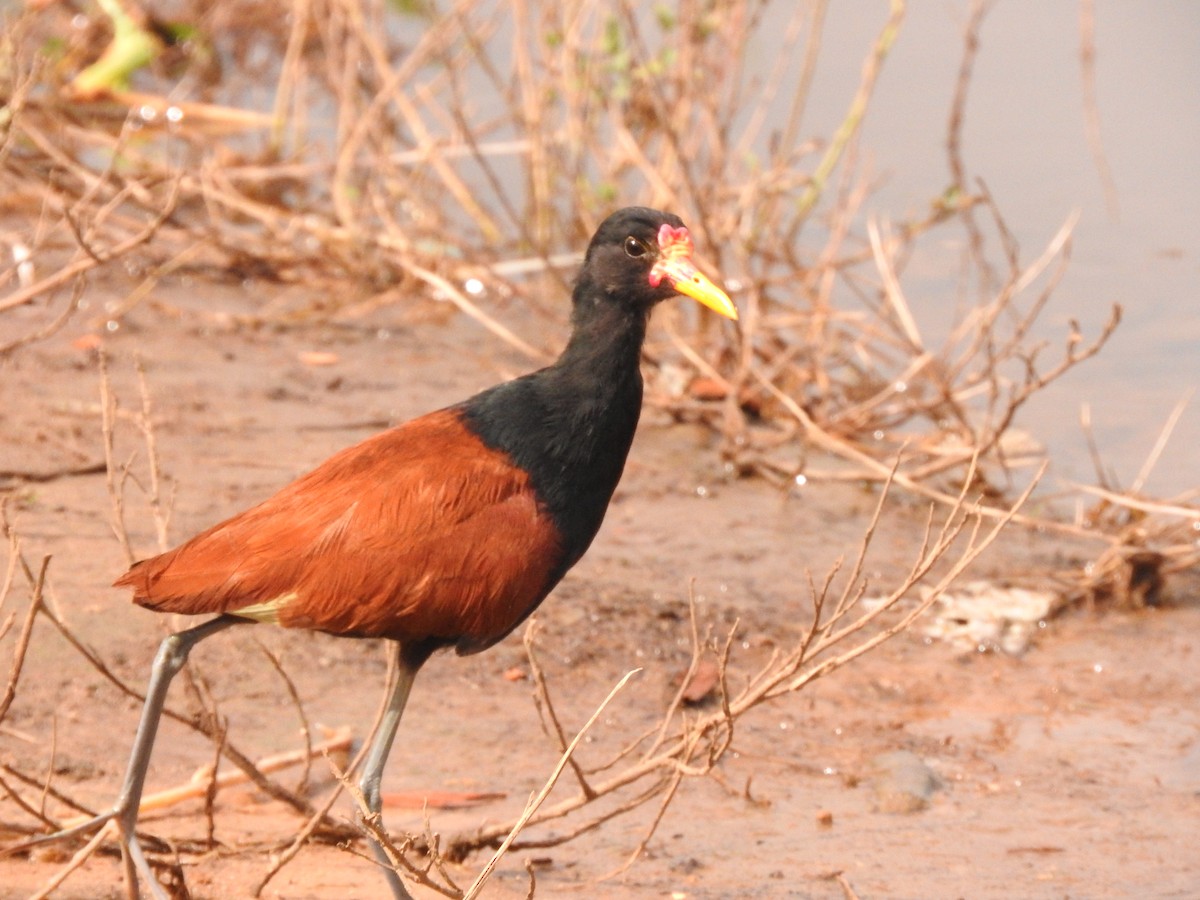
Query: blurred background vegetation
(412,152)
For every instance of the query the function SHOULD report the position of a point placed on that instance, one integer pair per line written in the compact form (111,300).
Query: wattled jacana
(445,531)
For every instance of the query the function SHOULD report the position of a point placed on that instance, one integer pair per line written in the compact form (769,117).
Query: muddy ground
(1072,770)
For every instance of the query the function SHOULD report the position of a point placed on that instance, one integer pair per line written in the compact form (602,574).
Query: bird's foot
(99,827)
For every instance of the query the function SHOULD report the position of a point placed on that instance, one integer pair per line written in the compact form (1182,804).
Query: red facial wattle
(676,266)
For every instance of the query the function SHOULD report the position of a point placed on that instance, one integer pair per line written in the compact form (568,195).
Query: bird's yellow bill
(676,266)
(691,282)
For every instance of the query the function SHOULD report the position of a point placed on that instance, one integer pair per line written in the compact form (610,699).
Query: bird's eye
(635,248)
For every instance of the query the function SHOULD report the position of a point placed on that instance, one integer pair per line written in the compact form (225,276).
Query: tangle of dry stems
(453,141)
(685,745)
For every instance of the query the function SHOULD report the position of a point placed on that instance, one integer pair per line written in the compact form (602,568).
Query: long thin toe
(142,865)
(88,827)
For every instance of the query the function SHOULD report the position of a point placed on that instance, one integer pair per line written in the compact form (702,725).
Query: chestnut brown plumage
(421,533)
(447,530)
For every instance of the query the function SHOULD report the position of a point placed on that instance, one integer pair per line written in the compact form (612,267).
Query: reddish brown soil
(1072,771)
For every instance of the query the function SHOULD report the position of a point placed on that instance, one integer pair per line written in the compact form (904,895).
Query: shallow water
(1026,137)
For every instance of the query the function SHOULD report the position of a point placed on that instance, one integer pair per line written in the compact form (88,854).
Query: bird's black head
(639,257)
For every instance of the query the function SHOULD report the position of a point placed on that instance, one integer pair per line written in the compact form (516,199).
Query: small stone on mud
(687,866)
(703,682)
(824,818)
(902,783)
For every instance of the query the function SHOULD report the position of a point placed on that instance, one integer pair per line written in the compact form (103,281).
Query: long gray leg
(372,771)
(172,654)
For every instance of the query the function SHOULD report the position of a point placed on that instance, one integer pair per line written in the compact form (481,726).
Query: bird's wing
(420,531)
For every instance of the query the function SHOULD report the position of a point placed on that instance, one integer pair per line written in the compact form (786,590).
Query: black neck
(571,424)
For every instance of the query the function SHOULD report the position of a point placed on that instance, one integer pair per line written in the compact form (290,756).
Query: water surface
(1026,137)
